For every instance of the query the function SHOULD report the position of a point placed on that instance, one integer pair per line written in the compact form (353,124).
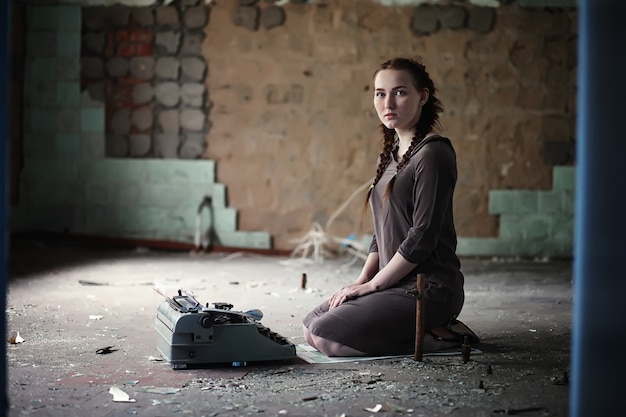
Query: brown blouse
(416,219)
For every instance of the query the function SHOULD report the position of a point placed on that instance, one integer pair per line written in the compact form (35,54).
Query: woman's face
(397,101)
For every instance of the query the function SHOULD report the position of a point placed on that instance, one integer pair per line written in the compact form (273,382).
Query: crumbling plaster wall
(293,128)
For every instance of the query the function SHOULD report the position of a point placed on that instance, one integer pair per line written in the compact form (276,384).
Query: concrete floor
(522,311)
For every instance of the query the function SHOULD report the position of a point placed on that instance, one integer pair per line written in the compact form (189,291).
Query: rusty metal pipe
(419,318)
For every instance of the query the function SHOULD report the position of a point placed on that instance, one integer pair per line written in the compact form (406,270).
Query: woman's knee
(332,348)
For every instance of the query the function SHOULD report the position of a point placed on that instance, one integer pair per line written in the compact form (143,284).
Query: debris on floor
(120,396)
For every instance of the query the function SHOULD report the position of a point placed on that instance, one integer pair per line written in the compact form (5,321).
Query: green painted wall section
(67,185)
(532,223)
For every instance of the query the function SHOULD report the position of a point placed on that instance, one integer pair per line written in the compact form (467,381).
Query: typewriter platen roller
(189,333)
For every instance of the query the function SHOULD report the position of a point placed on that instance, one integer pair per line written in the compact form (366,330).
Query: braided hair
(428,120)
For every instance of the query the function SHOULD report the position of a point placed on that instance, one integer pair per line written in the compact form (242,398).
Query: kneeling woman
(411,202)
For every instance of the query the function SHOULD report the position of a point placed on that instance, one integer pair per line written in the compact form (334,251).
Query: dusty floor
(522,311)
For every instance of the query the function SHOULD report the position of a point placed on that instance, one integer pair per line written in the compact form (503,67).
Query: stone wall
(293,128)
(146,65)
(284,92)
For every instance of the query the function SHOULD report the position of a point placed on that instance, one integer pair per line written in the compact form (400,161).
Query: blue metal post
(4,185)
(598,337)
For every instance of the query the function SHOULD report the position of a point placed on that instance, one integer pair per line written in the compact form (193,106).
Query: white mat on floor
(312,355)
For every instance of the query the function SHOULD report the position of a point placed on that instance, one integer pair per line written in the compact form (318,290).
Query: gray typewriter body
(191,334)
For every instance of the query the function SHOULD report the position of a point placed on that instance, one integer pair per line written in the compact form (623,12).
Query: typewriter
(189,333)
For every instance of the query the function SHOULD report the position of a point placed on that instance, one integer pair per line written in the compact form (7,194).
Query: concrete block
(93,43)
(537,226)
(193,146)
(512,202)
(92,145)
(272,16)
(511,227)
(167,68)
(144,16)
(247,17)
(192,120)
(41,69)
(425,20)
(564,178)
(218,193)
(453,17)
(166,145)
(140,145)
(167,16)
(225,219)
(550,202)
(196,17)
(69,18)
(94,17)
(117,67)
(253,240)
(193,68)
(38,145)
(193,94)
(116,146)
(485,246)
(42,120)
(481,19)
(92,67)
(41,93)
(167,42)
(120,122)
(68,68)
(167,93)
(142,118)
(40,44)
(67,145)
(69,120)
(563,229)
(192,44)
(126,194)
(201,172)
(92,120)
(162,195)
(110,170)
(68,94)
(169,121)
(142,93)
(569,203)
(57,170)
(98,193)
(68,44)
(142,67)
(41,18)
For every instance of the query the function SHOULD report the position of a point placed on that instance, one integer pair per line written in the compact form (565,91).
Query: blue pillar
(598,335)
(4,185)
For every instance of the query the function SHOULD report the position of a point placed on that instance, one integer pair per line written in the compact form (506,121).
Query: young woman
(411,202)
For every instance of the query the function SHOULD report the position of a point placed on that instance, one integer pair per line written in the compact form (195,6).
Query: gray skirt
(383,322)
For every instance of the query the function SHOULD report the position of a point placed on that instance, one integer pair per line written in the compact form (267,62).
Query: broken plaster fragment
(120,396)
(375,409)
(14,340)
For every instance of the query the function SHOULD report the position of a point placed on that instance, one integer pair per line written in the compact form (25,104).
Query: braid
(389,137)
(405,159)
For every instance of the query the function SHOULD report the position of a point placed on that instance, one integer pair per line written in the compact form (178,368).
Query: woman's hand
(349,293)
